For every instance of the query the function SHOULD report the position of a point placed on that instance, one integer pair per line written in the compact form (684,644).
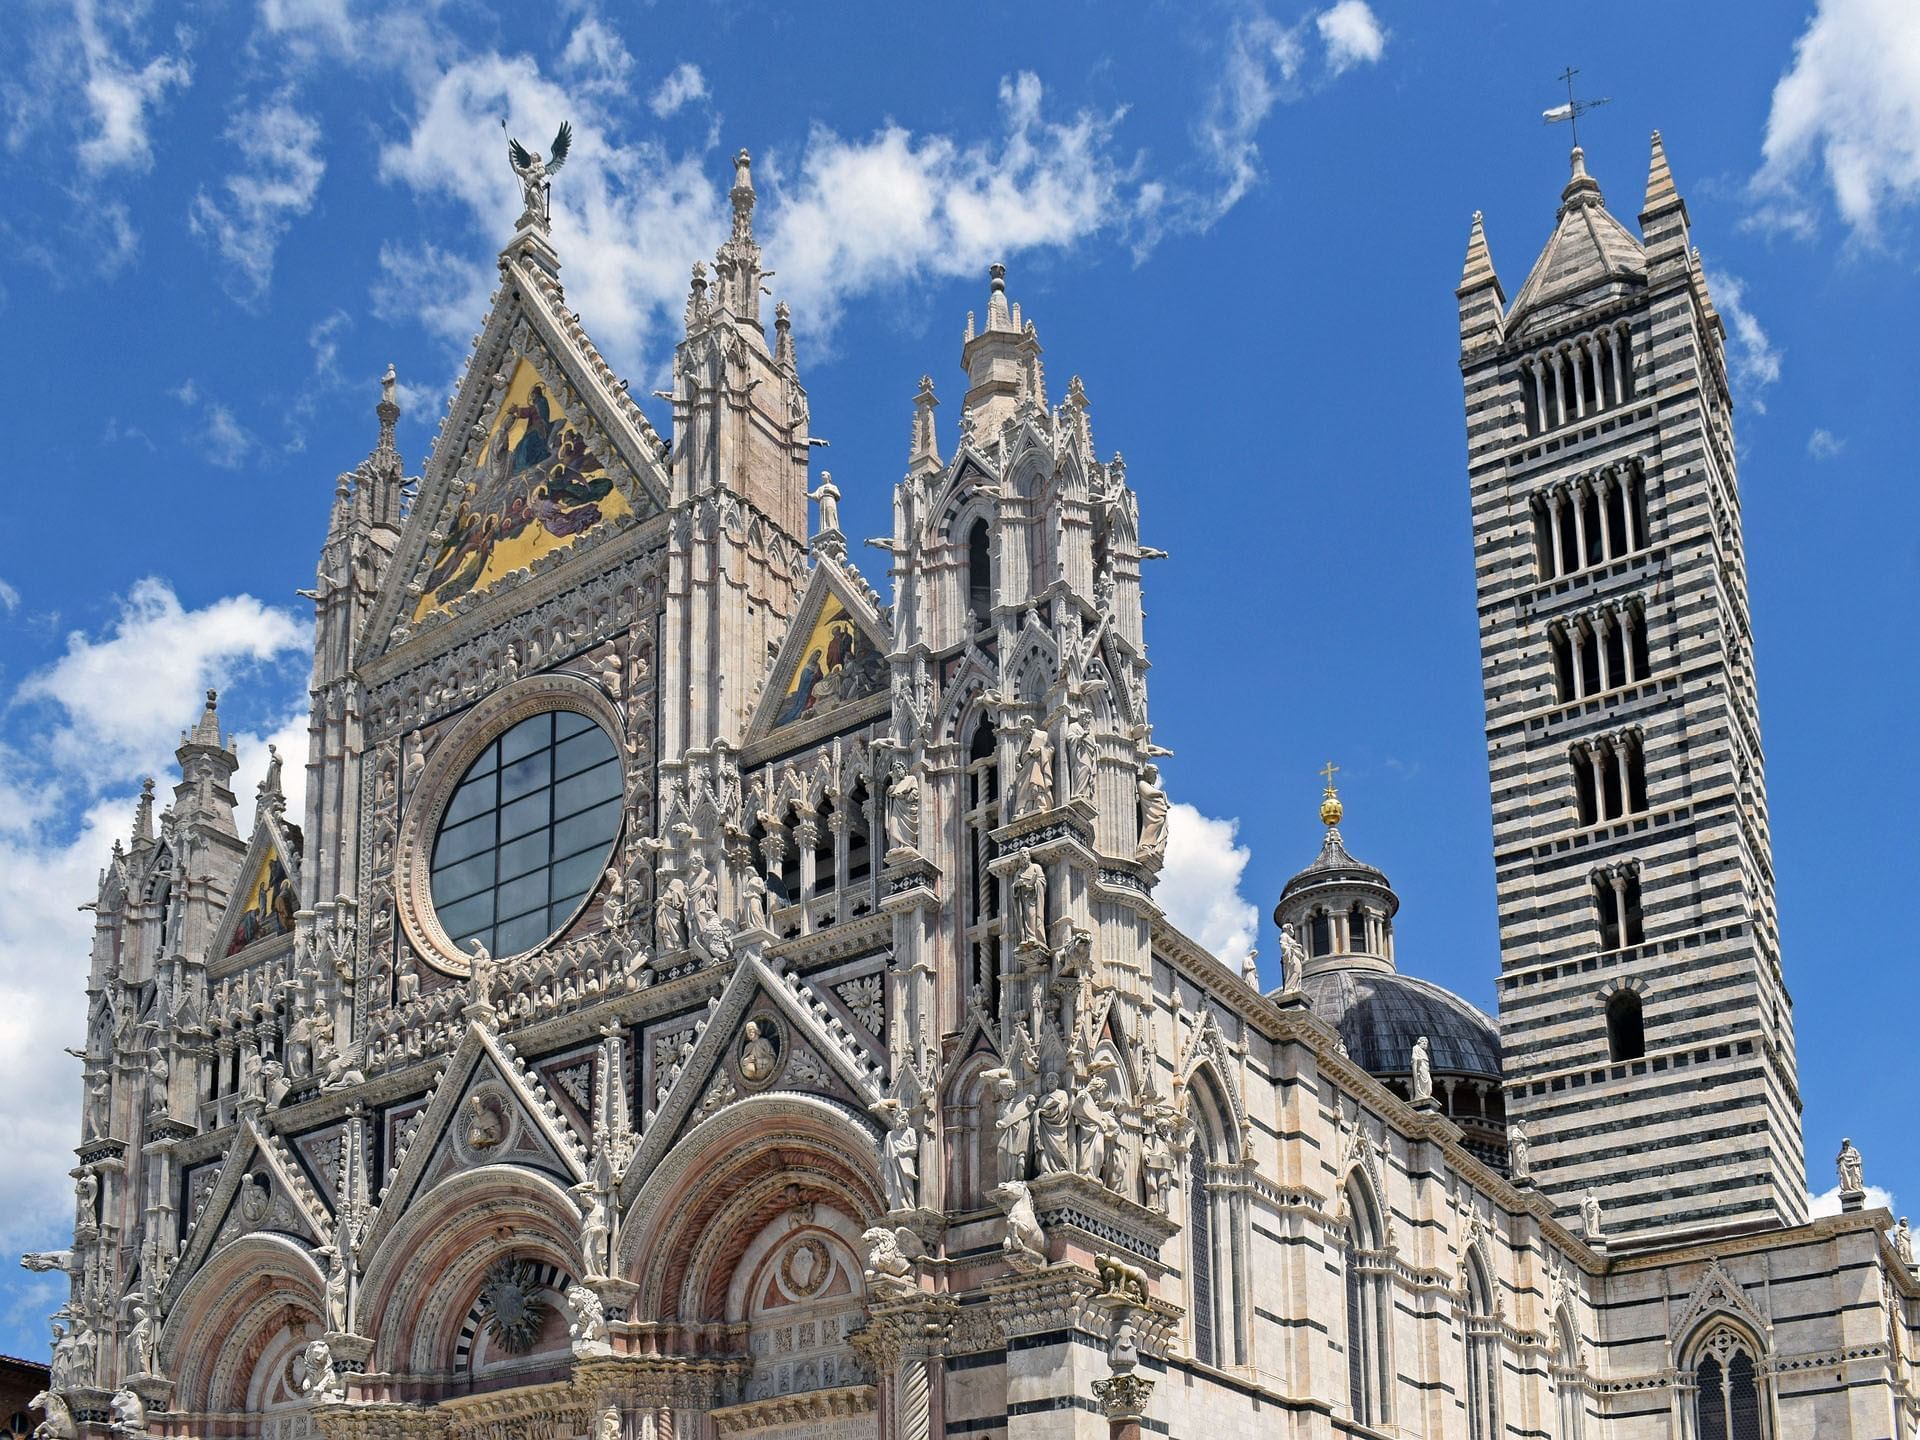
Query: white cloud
(1848,108)
(223,439)
(276,183)
(1266,65)
(109,710)
(126,697)
(862,214)
(685,85)
(1828,1201)
(1352,35)
(120,92)
(1753,362)
(1825,445)
(9,597)
(1200,885)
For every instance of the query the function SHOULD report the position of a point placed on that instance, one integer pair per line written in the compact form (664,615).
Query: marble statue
(1154,810)
(129,1414)
(480,972)
(1422,1072)
(756,902)
(339,1274)
(670,915)
(1293,960)
(587,1327)
(827,496)
(596,1230)
(1590,1217)
(903,809)
(535,171)
(1013,1122)
(1094,1130)
(140,1341)
(319,1380)
(899,1154)
(1025,1245)
(1029,903)
(58,1424)
(1903,1243)
(891,1251)
(1519,1152)
(1852,1173)
(757,1055)
(1053,1124)
(43,1261)
(1082,758)
(1034,791)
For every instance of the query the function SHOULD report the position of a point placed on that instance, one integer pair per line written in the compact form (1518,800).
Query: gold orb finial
(1330,807)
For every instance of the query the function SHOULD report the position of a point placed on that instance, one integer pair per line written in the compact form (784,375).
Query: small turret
(1482,301)
(1663,216)
(737,264)
(1004,375)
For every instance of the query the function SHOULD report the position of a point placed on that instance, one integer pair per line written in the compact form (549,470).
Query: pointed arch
(972,1164)
(1569,1379)
(1730,1385)
(1216,1220)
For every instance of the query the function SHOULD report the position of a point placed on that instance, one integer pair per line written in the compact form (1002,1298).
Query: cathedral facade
(710,993)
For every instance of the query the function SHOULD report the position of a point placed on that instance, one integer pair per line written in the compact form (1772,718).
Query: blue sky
(1240,223)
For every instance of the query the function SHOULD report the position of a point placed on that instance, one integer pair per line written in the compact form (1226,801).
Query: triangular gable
(487,1109)
(519,480)
(1718,1293)
(967,472)
(278,1197)
(268,892)
(818,1054)
(831,670)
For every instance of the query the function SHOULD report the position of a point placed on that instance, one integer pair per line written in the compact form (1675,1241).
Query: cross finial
(1328,771)
(1573,109)
(1330,807)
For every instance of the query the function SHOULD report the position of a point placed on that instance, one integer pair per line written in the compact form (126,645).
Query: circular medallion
(805,1268)
(485,1124)
(762,1048)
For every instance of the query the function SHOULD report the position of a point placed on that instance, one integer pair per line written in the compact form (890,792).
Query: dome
(1380,1013)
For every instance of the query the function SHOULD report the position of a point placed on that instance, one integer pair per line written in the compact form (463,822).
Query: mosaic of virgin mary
(538,488)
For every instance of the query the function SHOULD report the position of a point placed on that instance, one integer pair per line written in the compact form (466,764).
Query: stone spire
(1482,301)
(1663,216)
(203,801)
(1004,375)
(1582,189)
(925,454)
(737,264)
(143,814)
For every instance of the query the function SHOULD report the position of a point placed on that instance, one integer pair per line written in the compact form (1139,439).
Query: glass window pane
(572,722)
(581,752)
(525,776)
(461,841)
(591,829)
(455,882)
(523,815)
(529,852)
(468,914)
(523,933)
(519,896)
(589,787)
(469,800)
(573,878)
(489,758)
(528,736)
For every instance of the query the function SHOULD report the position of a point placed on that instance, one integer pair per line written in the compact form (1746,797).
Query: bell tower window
(980,575)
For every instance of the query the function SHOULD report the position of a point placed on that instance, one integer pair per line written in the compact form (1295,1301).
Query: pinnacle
(1582,188)
(1660,188)
(1479,267)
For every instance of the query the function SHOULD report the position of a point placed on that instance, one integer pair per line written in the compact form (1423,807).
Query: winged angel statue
(535,171)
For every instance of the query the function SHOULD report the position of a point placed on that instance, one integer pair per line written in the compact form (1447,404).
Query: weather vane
(1573,109)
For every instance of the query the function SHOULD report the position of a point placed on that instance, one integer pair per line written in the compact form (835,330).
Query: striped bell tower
(1646,1026)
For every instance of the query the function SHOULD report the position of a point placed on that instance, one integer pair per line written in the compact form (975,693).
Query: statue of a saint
(903,809)
(1094,1130)
(1152,849)
(1029,903)
(1903,1243)
(534,171)
(1053,1122)
(140,1341)
(1035,788)
(1082,757)
(1852,1174)
(1519,1153)
(1293,959)
(1590,1216)
(1422,1072)
(756,903)
(595,1230)
(757,1055)
(338,1276)
(827,496)
(480,972)
(1013,1123)
(899,1155)
(670,915)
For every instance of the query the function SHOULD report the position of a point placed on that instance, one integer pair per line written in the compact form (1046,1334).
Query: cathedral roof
(1588,250)
(1380,1013)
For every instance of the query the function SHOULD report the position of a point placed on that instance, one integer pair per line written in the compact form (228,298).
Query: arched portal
(233,1337)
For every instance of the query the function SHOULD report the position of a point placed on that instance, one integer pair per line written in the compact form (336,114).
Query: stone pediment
(543,458)
(831,670)
(488,1109)
(259,1187)
(1718,1293)
(798,1044)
